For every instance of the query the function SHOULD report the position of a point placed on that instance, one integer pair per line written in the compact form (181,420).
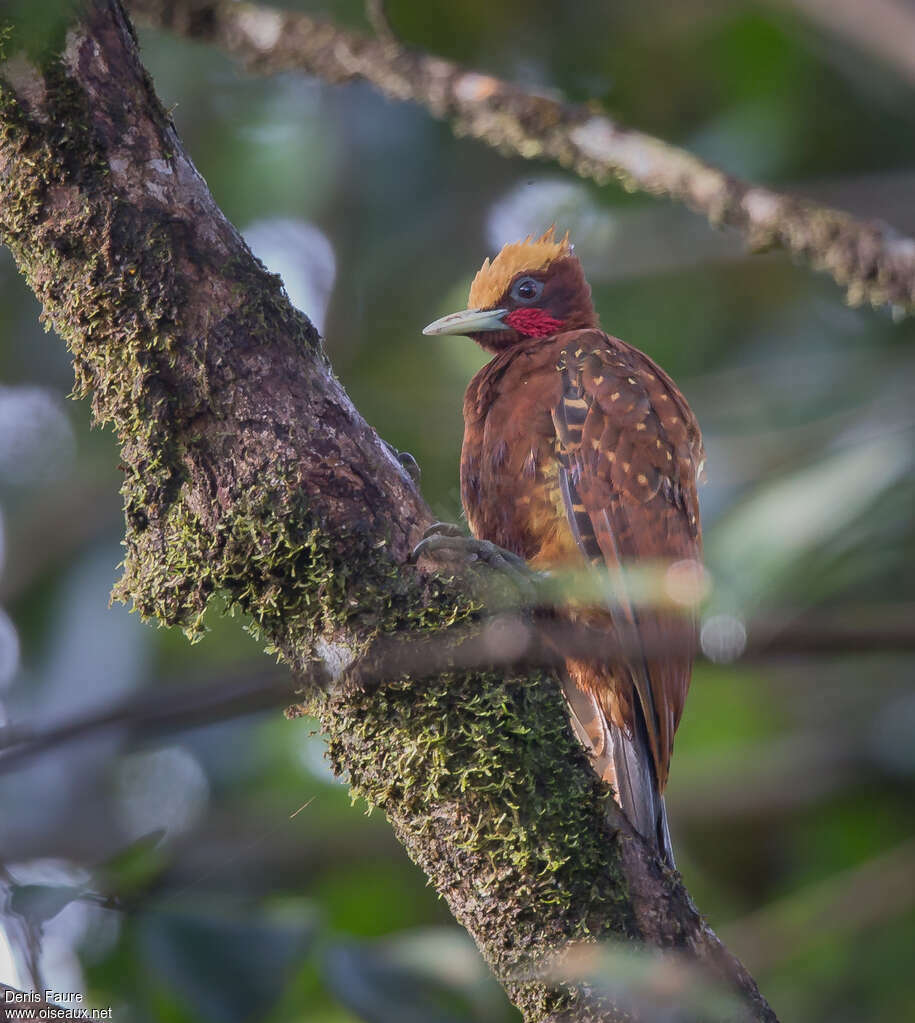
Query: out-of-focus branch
(850,902)
(162,710)
(378,19)
(871,261)
(512,642)
(867,629)
(518,642)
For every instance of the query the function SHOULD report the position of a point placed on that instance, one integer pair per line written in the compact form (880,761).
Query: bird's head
(534,288)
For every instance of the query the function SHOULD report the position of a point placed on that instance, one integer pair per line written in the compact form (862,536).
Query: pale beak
(469,321)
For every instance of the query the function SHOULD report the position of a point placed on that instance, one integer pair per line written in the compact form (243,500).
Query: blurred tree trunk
(248,472)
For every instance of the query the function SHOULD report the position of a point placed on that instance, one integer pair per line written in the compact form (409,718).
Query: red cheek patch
(532,322)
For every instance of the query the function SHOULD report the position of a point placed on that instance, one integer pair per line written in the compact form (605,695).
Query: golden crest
(531,255)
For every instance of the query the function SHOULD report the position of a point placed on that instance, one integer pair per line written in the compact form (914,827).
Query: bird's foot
(445,540)
(406,460)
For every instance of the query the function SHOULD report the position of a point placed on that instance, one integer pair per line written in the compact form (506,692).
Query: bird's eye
(527,290)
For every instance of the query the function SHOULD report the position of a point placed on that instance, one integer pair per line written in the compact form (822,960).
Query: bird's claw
(444,529)
(445,538)
(409,463)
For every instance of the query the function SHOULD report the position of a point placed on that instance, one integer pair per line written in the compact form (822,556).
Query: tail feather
(625,762)
(637,787)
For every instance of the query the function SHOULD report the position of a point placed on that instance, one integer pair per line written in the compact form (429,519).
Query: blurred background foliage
(219,873)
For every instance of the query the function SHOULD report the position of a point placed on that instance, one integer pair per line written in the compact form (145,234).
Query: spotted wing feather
(629,453)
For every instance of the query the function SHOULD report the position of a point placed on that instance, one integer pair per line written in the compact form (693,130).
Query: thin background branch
(511,641)
(848,902)
(871,261)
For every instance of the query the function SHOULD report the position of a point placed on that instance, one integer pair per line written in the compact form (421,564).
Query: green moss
(481,734)
(495,759)
(273,560)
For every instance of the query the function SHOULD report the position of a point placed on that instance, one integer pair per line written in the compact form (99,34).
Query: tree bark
(248,472)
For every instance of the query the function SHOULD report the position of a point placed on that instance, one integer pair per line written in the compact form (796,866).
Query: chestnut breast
(509,470)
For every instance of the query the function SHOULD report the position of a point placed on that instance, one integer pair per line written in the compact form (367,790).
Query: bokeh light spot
(36,438)
(723,638)
(165,789)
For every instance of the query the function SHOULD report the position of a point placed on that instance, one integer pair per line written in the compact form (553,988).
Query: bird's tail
(623,760)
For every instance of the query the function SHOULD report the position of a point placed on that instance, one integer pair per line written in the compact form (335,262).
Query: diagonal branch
(249,473)
(871,261)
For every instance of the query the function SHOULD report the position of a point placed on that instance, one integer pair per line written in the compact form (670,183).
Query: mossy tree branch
(871,261)
(248,472)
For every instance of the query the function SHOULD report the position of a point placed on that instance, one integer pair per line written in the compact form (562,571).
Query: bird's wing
(630,451)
